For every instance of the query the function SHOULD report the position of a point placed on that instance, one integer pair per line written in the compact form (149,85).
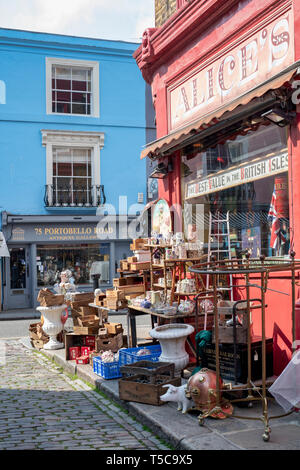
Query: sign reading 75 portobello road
(242,66)
(244,174)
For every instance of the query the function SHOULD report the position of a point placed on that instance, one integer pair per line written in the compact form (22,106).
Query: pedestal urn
(172,339)
(52,325)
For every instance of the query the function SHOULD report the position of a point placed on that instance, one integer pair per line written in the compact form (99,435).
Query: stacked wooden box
(110,337)
(86,320)
(38,337)
(48,299)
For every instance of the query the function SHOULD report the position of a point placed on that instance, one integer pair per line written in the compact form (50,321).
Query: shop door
(17,281)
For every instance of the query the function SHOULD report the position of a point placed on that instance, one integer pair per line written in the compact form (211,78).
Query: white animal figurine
(177,394)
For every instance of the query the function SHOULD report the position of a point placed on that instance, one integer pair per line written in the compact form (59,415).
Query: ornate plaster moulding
(183,27)
(72,137)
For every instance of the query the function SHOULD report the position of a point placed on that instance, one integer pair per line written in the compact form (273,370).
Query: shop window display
(83,260)
(258,208)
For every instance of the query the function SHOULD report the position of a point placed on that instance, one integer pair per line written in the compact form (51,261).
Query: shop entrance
(18,278)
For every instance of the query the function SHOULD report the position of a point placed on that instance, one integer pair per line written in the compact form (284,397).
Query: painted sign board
(265,52)
(255,170)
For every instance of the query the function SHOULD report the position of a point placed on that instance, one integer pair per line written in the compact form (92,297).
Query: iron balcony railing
(66,196)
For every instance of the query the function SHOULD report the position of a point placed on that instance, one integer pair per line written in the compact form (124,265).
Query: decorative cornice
(72,137)
(188,23)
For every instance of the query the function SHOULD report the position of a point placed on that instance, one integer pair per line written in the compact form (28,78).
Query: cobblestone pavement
(42,408)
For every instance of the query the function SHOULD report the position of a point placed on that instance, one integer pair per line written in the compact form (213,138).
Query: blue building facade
(72,123)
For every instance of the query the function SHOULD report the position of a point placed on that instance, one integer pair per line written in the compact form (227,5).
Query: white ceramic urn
(52,324)
(172,339)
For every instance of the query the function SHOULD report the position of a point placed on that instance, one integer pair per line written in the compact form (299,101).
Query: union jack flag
(278,236)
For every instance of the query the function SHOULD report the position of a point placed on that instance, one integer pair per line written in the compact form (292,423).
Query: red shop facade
(225,81)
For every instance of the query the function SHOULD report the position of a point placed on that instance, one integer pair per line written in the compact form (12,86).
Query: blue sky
(108,19)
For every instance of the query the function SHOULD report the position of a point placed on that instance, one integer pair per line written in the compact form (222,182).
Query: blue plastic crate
(107,370)
(129,355)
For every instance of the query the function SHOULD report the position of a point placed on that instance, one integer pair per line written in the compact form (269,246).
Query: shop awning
(175,138)
(3,247)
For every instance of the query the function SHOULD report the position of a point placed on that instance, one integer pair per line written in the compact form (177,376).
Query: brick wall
(163,10)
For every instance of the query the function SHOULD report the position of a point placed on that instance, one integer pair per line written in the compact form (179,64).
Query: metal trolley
(262,268)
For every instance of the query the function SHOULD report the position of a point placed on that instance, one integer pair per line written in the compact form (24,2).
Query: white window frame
(92,65)
(73,139)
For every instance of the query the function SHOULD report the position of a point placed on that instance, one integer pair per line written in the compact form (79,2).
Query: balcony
(66,196)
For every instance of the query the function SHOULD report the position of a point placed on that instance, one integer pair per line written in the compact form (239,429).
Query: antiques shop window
(248,178)
(83,260)
(72,87)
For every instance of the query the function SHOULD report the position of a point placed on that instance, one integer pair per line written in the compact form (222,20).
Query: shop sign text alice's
(233,72)
(234,177)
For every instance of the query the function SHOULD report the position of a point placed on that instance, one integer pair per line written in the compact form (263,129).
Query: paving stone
(51,411)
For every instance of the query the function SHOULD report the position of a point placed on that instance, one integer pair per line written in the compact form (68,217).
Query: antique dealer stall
(225,86)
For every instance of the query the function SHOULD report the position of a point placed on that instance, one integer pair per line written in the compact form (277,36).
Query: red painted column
(294,183)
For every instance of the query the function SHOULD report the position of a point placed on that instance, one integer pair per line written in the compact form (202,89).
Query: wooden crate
(226,335)
(83,296)
(74,339)
(139,266)
(112,343)
(85,330)
(134,288)
(149,393)
(119,281)
(48,299)
(113,328)
(116,294)
(89,321)
(124,265)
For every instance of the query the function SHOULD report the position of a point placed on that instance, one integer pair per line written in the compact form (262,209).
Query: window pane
(63,108)
(70,79)
(17,268)
(64,169)
(63,84)
(79,97)
(80,169)
(78,109)
(79,74)
(63,96)
(82,259)
(63,73)
(79,86)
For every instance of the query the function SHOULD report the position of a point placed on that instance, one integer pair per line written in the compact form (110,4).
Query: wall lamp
(279,117)
(161,170)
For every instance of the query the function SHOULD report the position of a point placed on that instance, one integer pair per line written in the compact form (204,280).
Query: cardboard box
(74,352)
(85,350)
(83,360)
(90,341)
(132,259)
(72,339)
